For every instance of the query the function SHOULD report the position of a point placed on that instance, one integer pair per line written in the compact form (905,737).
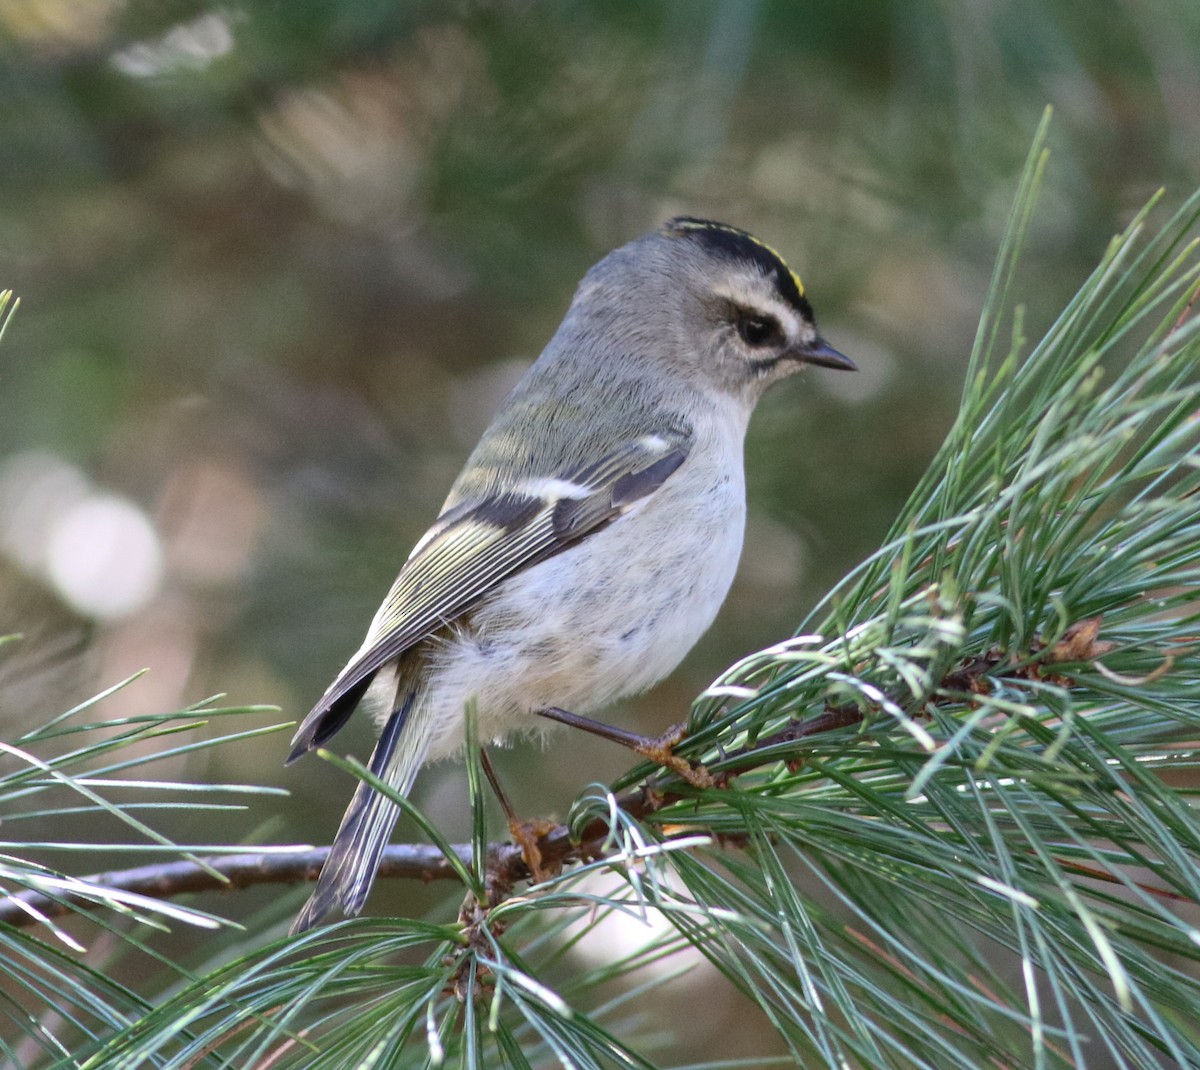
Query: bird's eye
(758,330)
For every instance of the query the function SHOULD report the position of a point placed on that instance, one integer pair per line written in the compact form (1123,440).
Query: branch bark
(166,880)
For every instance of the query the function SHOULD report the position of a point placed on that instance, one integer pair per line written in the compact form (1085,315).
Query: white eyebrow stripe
(754,298)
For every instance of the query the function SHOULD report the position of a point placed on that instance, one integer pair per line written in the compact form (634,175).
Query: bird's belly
(605,619)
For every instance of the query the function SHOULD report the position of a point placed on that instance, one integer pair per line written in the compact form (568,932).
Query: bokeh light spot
(104,557)
(36,489)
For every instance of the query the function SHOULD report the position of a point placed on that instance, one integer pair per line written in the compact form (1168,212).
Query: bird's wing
(477,544)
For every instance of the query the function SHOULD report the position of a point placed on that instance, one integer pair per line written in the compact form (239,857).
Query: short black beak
(823,355)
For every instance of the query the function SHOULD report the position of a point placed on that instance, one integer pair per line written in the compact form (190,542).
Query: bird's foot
(658,749)
(528,835)
(525,834)
(661,751)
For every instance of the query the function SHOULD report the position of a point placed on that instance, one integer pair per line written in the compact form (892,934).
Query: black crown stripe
(741,245)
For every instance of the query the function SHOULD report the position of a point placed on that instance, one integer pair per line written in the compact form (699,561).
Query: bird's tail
(353,860)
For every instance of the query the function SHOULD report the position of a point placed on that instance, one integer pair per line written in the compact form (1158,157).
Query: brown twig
(166,880)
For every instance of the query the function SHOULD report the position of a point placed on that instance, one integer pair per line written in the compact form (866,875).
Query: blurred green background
(278,262)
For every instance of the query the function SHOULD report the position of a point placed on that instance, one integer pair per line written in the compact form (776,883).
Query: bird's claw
(661,751)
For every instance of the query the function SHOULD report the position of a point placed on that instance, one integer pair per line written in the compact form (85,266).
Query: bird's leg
(659,749)
(525,834)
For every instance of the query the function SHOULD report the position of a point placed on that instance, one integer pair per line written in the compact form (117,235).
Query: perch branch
(506,865)
(423,862)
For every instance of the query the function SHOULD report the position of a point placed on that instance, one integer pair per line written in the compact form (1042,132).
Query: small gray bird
(595,530)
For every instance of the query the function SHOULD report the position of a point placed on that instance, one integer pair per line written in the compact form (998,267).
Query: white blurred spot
(190,45)
(36,489)
(620,935)
(104,557)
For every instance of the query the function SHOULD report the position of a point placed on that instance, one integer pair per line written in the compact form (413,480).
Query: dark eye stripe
(758,329)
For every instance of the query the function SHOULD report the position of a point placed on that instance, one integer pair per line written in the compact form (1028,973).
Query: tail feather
(353,860)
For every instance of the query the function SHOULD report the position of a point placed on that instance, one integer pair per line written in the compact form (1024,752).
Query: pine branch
(556,846)
(506,866)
